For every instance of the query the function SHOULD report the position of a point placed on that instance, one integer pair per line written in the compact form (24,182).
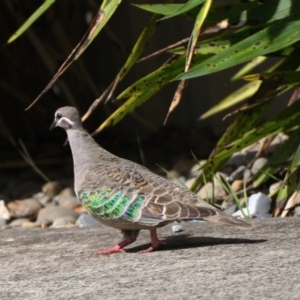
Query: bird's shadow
(185,241)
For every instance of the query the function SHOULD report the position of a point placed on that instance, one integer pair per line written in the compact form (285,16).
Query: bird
(127,196)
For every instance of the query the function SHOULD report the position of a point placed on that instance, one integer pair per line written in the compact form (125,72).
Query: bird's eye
(58,115)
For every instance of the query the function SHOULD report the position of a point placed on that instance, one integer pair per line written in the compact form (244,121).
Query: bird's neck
(85,151)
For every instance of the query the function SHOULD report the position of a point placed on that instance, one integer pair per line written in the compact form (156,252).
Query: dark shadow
(186,241)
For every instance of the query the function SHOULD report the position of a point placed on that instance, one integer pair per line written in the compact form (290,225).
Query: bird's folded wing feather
(152,199)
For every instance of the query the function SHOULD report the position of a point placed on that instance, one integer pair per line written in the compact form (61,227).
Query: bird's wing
(129,192)
(144,197)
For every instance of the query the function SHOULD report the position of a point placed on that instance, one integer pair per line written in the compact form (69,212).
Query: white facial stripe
(66,120)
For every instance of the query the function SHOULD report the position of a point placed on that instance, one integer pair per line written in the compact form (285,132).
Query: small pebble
(66,193)
(258,164)
(177,228)
(4,213)
(274,187)
(86,220)
(236,160)
(297,210)
(247,175)
(80,209)
(50,214)
(52,188)
(237,185)
(2,222)
(230,210)
(27,208)
(18,222)
(42,198)
(30,225)
(64,222)
(71,202)
(213,191)
(189,182)
(195,172)
(237,174)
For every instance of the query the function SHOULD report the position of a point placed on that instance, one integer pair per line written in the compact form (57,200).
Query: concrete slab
(205,261)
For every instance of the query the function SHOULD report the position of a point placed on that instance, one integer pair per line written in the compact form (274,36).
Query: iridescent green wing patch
(133,209)
(94,201)
(108,205)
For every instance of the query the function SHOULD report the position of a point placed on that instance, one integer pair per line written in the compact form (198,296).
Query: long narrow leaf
(260,43)
(44,7)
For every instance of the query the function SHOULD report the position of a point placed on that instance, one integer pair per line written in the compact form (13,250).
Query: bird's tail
(222,218)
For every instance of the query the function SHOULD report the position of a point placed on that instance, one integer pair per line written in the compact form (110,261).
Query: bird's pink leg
(117,248)
(155,242)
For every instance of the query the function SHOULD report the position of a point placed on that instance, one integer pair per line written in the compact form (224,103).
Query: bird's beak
(53,125)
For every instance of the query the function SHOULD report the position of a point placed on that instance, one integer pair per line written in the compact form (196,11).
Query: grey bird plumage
(125,195)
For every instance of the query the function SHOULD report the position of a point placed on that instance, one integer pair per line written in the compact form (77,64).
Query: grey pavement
(205,261)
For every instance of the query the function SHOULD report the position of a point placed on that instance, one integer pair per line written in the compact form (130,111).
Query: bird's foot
(115,249)
(154,246)
(155,242)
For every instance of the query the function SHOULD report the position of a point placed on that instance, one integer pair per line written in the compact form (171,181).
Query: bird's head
(67,118)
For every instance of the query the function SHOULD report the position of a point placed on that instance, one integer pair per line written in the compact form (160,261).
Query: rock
(52,188)
(213,191)
(277,142)
(64,222)
(3,222)
(50,214)
(177,228)
(195,172)
(237,185)
(27,208)
(236,160)
(42,198)
(18,222)
(71,202)
(86,220)
(253,148)
(247,175)
(206,192)
(274,187)
(297,211)
(258,164)
(259,206)
(231,209)
(65,194)
(4,212)
(189,182)
(237,174)
(30,224)
(80,209)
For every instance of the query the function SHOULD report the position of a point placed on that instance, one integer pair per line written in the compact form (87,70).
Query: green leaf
(161,9)
(249,67)
(146,87)
(281,78)
(235,97)
(107,9)
(184,8)
(31,20)
(276,36)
